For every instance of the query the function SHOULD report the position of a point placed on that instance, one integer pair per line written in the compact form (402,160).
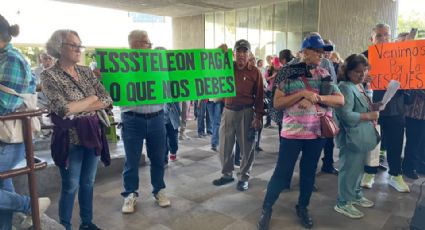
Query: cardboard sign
(138,77)
(400,61)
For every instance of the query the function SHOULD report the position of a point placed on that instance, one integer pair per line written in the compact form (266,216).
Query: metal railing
(32,165)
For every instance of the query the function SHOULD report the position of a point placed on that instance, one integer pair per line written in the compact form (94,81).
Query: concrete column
(189,32)
(348,23)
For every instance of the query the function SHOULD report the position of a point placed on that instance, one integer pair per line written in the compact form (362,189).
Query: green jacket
(355,135)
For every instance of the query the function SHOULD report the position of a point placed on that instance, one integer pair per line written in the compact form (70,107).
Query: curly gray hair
(54,44)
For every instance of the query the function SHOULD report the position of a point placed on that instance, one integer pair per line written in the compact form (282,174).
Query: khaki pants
(236,126)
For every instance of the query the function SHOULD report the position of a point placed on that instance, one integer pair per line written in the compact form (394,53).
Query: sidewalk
(197,204)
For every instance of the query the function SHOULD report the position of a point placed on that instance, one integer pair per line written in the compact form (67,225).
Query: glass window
(294,41)
(209,30)
(295,16)
(280,41)
(241,24)
(311,15)
(230,28)
(266,32)
(219,28)
(280,26)
(254,30)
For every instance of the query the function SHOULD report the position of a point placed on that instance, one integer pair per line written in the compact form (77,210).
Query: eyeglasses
(75,47)
(146,43)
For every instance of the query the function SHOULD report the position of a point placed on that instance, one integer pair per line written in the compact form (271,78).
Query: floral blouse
(60,89)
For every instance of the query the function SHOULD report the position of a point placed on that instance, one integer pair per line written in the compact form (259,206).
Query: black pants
(172,143)
(289,151)
(414,152)
(328,155)
(392,131)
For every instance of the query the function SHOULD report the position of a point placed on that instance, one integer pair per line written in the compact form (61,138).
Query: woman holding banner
(75,98)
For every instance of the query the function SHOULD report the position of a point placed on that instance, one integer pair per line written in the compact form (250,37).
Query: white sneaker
(129,203)
(398,183)
(43,204)
(367,180)
(161,199)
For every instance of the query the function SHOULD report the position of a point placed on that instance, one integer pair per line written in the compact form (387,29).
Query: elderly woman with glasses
(75,95)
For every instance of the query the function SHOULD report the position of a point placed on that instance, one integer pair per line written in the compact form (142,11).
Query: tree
(413,20)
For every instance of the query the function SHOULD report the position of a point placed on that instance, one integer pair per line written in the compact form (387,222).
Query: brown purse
(328,126)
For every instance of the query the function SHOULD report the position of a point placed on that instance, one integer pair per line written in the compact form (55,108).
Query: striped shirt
(15,73)
(303,123)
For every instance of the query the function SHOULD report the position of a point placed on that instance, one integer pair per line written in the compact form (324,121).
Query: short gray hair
(54,44)
(380,26)
(136,35)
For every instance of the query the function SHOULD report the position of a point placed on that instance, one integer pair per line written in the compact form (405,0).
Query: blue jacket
(172,114)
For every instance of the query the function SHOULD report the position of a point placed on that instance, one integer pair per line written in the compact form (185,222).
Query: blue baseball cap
(315,42)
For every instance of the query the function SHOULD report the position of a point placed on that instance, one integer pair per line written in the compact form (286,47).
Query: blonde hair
(335,55)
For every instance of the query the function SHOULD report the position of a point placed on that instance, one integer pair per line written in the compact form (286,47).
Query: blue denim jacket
(172,114)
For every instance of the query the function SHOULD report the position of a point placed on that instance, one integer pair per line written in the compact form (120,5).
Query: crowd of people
(294,92)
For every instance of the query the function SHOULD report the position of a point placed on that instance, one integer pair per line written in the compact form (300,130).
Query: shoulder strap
(307,85)
(9,90)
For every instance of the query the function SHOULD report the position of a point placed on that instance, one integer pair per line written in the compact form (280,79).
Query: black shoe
(242,186)
(411,174)
(222,181)
(305,218)
(330,170)
(90,226)
(382,167)
(258,149)
(264,221)
(315,188)
(214,148)
(267,125)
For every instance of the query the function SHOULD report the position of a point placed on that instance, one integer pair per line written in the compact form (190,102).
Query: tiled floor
(197,204)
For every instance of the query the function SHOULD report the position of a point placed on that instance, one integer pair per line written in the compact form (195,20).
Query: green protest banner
(138,77)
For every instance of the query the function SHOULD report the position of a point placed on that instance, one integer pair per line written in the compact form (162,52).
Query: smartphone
(412,34)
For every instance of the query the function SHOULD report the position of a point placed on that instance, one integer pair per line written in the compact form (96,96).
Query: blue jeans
(214,110)
(79,175)
(202,118)
(134,131)
(289,150)
(172,143)
(10,156)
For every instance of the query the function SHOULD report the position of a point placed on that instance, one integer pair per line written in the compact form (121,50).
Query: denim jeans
(214,110)
(289,150)
(202,118)
(172,143)
(135,130)
(10,156)
(79,175)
